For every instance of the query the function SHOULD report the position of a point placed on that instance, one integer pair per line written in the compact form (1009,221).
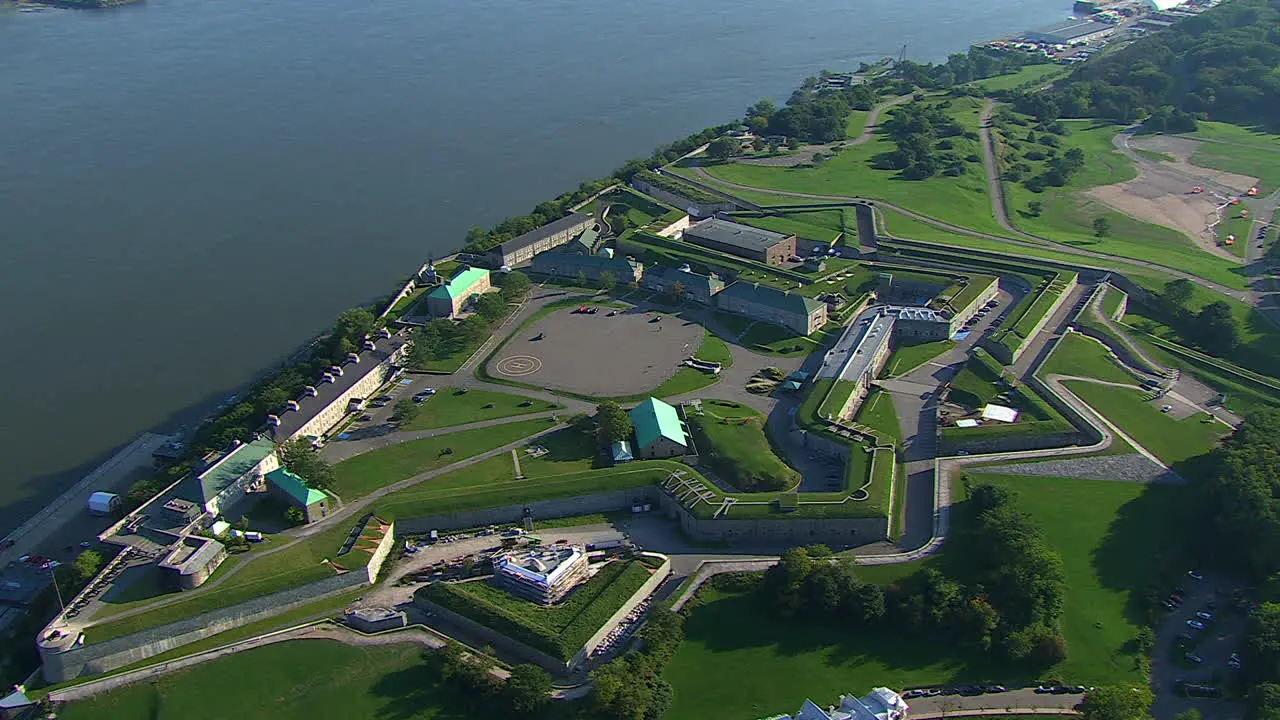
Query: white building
(880,704)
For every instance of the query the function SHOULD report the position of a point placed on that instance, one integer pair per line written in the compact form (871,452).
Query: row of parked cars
(968,690)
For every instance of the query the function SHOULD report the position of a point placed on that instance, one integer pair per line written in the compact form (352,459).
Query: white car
(1195,624)
(1165,408)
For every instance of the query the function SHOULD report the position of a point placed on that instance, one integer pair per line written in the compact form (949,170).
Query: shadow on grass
(409,691)
(738,621)
(1145,551)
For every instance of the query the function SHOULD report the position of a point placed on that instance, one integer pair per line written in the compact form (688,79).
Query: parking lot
(1185,654)
(609,353)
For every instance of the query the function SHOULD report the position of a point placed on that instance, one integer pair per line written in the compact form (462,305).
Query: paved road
(1021,700)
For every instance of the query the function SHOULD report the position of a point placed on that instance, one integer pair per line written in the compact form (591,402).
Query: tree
(723,148)
(514,286)
(491,306)
(1101,227)
(405,410)
(87,564)
(1117,702)
(303,460)
(1178,292)
(612,422)
(1215,329)
(528,689)
(793,143)
(582,278)
(1264,702)
(608,281)
(1035,207)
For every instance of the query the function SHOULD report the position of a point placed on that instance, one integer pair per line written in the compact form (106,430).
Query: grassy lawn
(1027,75)
(740,660)
(450,364)
(560,629)
(1084,356)
(909,356)
(777,340)
(1111,299)
(448,407)
(813,226)
(365,473)
(298,680)
(877,412)
(1253,153)
(1114,539)
(1254,137)
(960,200)
(713,349)
(734,324)
(1234,224)
(1068,216)
(1171,440)
(732,442)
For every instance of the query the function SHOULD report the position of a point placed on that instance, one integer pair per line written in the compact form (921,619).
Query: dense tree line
(525,693)
(1212,328)
(814,112)
(1219,65)
(978,63)
(631,686)
(1004,597)
(925,137)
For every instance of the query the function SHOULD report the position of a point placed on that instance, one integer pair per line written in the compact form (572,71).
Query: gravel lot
(1126,468)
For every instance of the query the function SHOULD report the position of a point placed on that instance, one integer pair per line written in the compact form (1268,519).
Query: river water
(188,190)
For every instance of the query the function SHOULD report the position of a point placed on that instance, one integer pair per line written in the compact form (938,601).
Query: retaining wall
(492,637)
(1007,357)
(583,505)
(1009,444)
(777,531)
(638,597)
(381,553)
(97,658)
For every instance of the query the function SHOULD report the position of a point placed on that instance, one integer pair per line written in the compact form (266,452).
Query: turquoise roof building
(659,431)
(447,300)
(314,503)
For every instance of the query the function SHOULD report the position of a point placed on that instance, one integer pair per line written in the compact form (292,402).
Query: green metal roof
(653,419)
(765,295)
(295,486)
(459,284)
(232,467)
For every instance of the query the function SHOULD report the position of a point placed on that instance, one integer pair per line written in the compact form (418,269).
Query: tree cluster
(813,112)
(525,693)
(1236,498)
(977,64)
(807,582)
(923,134)
(1212,328)
(1006,595)
(1218,65)
(303,460)
(442,338)
(1118,702)
(612,423)
(631,687)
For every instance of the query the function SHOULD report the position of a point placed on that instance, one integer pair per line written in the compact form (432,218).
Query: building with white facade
(543,576)
(879,704)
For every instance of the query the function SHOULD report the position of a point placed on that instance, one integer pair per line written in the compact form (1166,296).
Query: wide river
(188,190)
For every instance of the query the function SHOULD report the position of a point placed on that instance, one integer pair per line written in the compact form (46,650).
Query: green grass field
(1027,75)
(1068,215)
(713,349)
(1171,440)
(451,364)
(1111,300)
(732,442)
(960,200)
(447,408)
(1086,357)
(801,224)
(299,680)
(1241,150)
(740,660)
(877,412)
(375,469)
(907,357)
(776,340)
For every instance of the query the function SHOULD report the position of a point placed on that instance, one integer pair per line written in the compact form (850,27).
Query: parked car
(1195,624)
(1193,658)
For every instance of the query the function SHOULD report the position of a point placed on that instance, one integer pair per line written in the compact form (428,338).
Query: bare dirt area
(1183,149)
(1162,200)
(624,354)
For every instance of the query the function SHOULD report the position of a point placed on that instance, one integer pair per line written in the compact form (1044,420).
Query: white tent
(1165,4)
(999,413)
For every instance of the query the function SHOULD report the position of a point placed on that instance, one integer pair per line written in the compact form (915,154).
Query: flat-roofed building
(448,299)
(523,248)
(291,488)
(659,431)
(592,267)
(701,288)
(543,576)
(192,560)
(797,313)
(342,389)
(922,323)
(745,241)
(1071,32)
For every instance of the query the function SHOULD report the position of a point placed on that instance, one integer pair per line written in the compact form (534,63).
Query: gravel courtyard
(596,354)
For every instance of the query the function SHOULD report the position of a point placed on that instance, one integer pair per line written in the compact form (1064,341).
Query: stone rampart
(645,590)
(562,507)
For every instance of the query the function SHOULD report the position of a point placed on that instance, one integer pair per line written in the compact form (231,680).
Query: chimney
(352,357)
(292,404)
(327,378)
(336,370)
(273,420)
(311,390)
(384,332)
(368,345)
